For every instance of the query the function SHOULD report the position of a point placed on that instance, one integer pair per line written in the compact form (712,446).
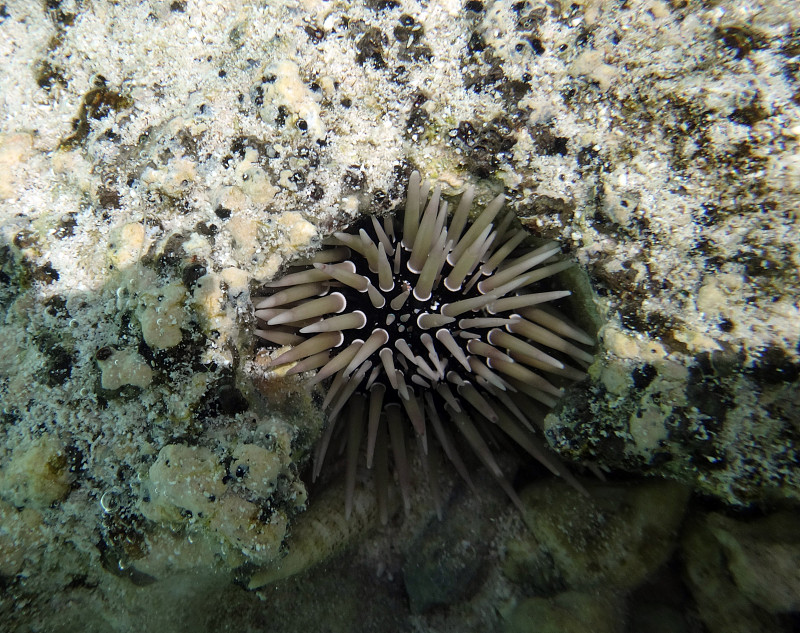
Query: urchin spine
(438,318)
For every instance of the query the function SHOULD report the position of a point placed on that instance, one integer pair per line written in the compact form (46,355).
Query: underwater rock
(448,560)
(162,315)
(187,488)
(322,532)
(763,558)
(568,612)
(724,421)
(123,367)
(14,149)
(722,607)
(37,474)
(612,540)
(21,537)
(185,481)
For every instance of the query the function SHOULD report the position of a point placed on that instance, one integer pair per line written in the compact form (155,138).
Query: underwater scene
(414,316)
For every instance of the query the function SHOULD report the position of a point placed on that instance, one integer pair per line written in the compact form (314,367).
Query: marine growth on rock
(433,329)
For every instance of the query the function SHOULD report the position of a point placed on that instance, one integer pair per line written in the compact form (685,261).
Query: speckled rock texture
(161,160)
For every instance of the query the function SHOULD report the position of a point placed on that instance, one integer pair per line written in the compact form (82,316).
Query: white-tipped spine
(413,204)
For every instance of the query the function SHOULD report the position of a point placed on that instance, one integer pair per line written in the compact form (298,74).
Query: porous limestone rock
(124,367)
(37,473)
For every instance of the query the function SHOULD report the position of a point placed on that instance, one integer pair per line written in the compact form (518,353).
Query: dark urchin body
(437,321)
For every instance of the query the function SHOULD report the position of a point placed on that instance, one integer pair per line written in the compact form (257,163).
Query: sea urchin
(436,320)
